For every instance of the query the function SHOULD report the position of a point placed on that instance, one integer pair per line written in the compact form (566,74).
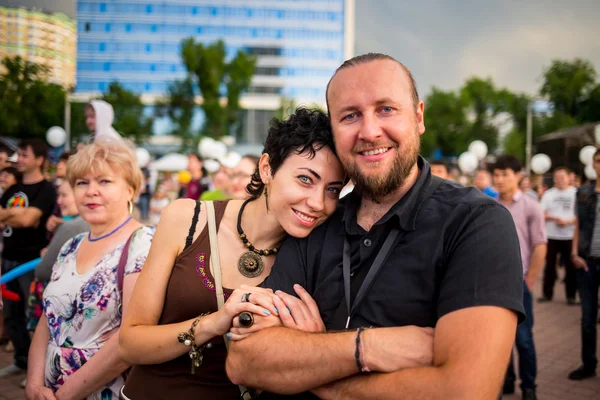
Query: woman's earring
(266,198)
(130,206)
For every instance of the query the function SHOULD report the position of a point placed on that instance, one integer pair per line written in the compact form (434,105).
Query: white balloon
(219,150)
(56,136)
(479,148)
(228,140)
(231,159)
(541,163)
(211,166)
(586,155)
(205,147)
(143,156)
(590,172)
(468,162)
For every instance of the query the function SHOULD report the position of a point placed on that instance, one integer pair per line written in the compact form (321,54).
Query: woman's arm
(142,341)
(36,381)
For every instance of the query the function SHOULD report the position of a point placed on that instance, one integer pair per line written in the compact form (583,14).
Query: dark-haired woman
(294,189)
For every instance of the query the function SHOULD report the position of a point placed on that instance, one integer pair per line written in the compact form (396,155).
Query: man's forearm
(288,361)
(536,262)
(4,215)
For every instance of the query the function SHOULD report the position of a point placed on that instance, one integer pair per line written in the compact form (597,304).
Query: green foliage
(213,73)
(446,123)
(28,104)
(129,113)
(179,107)
(567,84)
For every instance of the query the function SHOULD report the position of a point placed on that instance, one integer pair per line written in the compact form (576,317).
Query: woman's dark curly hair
(305,131)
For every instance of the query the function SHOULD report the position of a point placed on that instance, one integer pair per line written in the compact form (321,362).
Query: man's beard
(375,188)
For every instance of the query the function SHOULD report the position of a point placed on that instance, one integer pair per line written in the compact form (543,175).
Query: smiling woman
(294,189)
(74,350)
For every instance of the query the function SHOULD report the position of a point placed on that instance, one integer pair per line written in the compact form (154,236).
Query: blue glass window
(102,47)
(127,27)
(106,27)
(149,9)
(102,7)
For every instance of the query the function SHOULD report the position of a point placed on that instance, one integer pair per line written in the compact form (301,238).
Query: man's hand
(53,223)
(580,263)
(238,332)
(301,314)
(530,282)
(385,350)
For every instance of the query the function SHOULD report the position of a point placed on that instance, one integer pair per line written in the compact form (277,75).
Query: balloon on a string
(586,155)
(479,148)
(143,156)
(468,162)
(56,136)
(184,177)
(206,147)
(540,163)
(590,172)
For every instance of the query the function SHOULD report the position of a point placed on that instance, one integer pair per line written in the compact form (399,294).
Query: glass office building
(298,45)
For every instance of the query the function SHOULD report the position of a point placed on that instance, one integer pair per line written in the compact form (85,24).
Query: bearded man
(404,253)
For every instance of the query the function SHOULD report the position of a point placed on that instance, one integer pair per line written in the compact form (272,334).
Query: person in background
(483,182)
(61,166)
(197,184)
(159,202)
(4,155)
(525,187)
(529,220)
(585,255)
(439,168)
(72,224)
(99,117)
(25,208)
(74,349)
(144,197)
(222,185)
(9,176)
(558,204)
(240,178)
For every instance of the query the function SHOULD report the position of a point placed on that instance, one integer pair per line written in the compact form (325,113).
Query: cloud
(511,41)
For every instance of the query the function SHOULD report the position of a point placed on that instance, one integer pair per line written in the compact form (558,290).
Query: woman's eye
(80,183)
(334,190)
(304,179)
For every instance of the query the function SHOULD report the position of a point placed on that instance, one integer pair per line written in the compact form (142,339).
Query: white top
(561,204)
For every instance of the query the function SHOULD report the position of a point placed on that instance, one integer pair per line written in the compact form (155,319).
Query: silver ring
(246,297)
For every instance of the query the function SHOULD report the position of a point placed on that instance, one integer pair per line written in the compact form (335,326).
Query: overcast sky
(511,41)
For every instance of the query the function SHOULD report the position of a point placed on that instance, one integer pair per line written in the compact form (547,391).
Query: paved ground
(557,338)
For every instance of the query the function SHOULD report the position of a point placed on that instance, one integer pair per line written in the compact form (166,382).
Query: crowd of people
(338,264)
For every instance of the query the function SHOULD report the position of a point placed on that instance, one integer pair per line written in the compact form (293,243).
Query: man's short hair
(369,57)
(440,163)
(567,170)
(508,162)
(65,156)
(38,147)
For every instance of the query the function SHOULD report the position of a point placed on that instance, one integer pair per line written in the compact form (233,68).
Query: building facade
(298,45)
(41,36)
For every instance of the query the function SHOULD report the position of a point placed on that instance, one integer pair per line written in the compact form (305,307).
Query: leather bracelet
(357,355)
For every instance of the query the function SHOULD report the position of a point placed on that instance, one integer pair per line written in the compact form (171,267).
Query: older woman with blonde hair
(74,354)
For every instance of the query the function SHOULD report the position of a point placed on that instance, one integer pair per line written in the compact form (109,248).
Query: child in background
(8,177)
(159,202)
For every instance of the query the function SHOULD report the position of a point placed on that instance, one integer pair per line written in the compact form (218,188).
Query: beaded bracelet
(189,339)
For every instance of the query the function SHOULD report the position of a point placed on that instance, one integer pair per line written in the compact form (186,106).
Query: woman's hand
(39,393)
(260,304)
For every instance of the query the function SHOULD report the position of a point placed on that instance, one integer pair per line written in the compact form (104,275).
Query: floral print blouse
(83,310)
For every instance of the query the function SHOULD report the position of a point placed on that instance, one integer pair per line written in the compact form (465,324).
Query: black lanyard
(375,268)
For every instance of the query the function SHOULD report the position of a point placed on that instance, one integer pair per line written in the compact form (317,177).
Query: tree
(568,84)
(217,78)
(28,104)
(483,100)
(129,113)
(180,109)
(445,122)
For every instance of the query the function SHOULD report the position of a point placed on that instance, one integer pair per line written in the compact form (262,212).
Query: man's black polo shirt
(456,248)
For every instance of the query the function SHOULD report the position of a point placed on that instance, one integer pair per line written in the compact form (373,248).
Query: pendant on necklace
(251,264)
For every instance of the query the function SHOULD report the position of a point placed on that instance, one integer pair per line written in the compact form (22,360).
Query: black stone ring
(246,297)
(246,319)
